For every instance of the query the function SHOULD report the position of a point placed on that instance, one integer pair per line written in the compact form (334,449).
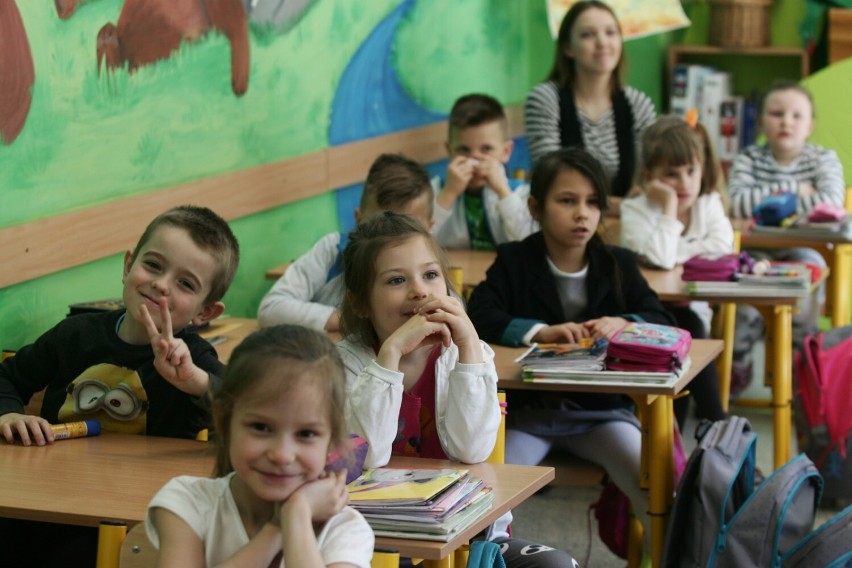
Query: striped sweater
(542,122)
(755,175)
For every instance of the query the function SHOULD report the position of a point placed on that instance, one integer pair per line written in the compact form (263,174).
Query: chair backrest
(136,550)
(498,454)
(385,559)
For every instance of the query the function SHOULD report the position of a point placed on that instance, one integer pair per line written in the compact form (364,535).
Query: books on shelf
(423,504)
(588,355)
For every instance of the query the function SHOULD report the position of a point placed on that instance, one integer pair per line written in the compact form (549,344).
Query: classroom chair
(136,550)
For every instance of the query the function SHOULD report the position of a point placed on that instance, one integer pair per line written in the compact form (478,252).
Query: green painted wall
(91,139)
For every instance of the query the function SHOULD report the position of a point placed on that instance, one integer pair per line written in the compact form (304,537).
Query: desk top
(670,287)
(113,476)
(234,330)
(776,237)
(702,353)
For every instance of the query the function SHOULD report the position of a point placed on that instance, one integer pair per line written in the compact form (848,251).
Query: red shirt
(417,433)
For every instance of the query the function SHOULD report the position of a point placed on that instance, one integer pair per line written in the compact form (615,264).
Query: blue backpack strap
(338,263)
(484,554)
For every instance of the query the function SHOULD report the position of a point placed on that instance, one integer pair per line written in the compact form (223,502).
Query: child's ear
(508,147)
(532,205)
(128,262)
(357,216)
(209,313)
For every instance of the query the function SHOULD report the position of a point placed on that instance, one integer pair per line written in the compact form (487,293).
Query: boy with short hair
(137,370)
(787,162)
(477,208)
(310,291)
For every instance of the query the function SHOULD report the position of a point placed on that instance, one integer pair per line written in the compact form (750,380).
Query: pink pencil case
(715,267)
(648,347)
(826,213)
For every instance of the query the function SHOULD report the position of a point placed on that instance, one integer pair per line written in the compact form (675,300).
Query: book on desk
(422,504)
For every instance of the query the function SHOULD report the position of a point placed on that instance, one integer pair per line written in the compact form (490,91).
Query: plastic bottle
(76,429)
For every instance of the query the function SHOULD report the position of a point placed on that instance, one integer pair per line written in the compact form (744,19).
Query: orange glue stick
(76,429)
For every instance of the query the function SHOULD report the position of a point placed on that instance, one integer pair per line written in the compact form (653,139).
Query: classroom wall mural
(108,113)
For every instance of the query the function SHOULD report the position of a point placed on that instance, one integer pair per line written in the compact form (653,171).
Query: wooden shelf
(753,68)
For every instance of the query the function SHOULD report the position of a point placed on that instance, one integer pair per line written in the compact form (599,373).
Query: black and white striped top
(542,124)
(755,175)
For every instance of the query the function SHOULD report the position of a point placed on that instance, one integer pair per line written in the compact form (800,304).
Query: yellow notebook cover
(401,485)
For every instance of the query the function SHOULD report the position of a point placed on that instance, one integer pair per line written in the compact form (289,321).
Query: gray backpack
(720,520)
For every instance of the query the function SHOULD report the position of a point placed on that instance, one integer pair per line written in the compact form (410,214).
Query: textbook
(605,378)
(586,355)
(425,504)
(741,289)
(390,486)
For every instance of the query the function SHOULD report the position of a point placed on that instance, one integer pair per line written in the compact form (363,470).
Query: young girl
(419,380)
(681,214)
(278,413)
(560,285)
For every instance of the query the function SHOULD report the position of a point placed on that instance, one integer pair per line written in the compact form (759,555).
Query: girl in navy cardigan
(560,285)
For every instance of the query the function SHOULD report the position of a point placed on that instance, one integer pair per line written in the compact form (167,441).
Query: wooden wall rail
(63,241)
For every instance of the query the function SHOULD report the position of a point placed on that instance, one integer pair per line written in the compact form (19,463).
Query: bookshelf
(753,68)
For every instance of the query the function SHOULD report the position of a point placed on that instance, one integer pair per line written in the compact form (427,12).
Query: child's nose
(281,451)
(161,285)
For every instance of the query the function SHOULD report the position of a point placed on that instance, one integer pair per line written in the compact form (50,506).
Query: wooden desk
(84,481)
(233,329)
(835,249)
(654,403)
(777,313)
(113,476)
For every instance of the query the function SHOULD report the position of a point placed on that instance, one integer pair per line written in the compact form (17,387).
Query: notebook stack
(587,362)
(423,504)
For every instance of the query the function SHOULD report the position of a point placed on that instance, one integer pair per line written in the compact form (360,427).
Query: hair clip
(691,118)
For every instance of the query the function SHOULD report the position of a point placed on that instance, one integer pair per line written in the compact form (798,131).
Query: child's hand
(171,355)
(806,189)
(449,311)
(664,196)
(568,332)
(604,327)
(459,174)
(29,429)
(414,333)
(324,497)
(333,321)
(493,172)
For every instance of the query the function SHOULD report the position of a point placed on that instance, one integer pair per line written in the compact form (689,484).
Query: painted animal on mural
(65,8)
(150,30)
(17,72)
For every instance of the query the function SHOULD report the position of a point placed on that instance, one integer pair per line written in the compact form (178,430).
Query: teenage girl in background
(563,284)
(278,414)
(680,214)
(419,380)
(584,101)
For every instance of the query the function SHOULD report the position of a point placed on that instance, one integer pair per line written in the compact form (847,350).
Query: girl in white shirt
(419,380)
(278,414)
(681,213)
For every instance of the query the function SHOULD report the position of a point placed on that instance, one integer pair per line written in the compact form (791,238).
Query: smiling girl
(279,412)
(419,380)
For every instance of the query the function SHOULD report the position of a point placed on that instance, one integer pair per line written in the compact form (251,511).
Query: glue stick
(75,429)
